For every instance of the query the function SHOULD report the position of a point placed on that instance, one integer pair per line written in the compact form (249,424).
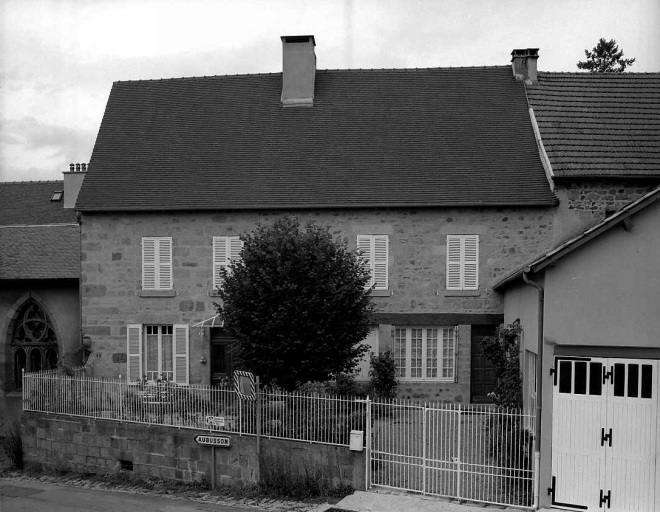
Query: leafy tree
(605,58)
(503,351)
(296,303)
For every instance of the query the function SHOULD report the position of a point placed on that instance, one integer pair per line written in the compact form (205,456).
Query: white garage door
(604,434)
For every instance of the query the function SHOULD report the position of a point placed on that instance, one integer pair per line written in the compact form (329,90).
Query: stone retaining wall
(108,446)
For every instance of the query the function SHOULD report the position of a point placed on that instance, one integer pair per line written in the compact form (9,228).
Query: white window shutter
(235,248)
(133,352)
(364,248)
(148,263)
(181,355)
(380,262)
(471,262)
(165,263)
(454,281)
(220,258)
(225,250)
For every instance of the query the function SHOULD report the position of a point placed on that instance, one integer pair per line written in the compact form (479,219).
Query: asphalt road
(31,496)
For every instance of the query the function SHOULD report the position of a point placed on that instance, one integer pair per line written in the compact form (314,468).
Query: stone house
(39,281)
(434,173)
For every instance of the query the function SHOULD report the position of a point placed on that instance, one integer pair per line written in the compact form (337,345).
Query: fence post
(367,462)
(425,437)
(458,458)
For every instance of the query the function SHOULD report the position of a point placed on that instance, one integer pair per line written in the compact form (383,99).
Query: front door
(604,434)
(482,376)
(221,361)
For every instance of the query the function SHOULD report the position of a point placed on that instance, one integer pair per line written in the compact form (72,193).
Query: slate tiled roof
(599,124)
(39,239)
(28,203)
(42,252)
(374,138)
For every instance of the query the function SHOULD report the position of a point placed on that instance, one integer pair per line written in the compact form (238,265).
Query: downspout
(539,385)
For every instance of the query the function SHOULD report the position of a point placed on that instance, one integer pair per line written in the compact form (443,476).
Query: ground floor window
(425,353)
(34,344)
(157,352)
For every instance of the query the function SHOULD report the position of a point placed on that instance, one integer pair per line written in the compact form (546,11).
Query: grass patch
(280,478)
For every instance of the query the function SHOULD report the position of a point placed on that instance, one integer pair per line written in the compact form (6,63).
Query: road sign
(207,440)
(215,421)
(244,385)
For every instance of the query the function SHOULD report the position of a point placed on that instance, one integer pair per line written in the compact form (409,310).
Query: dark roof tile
(599,124)
(378,138)
(40,252)
(28,203)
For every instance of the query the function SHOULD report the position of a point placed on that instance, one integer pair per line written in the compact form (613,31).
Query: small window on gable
(225,250)
(374,251)
(156,263)
(462,262)
(57,195)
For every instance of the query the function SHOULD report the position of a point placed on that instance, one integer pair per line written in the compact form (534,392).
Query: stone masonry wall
(111,271)
(104,446)
(584,203)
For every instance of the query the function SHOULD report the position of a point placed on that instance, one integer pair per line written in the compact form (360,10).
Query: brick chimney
(298,71)
(523,63)
(73,180)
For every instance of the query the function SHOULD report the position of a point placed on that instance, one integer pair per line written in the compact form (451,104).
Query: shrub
(383,376)
(13,446)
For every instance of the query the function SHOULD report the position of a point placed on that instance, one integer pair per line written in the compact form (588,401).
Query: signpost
(210,440)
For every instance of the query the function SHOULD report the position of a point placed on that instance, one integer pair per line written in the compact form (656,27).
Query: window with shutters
(462,262)
(225,250)
(373,251)
(156,263)
(157,352)
(425,353)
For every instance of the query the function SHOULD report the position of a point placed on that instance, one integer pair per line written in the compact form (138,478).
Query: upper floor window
(373,251)
(156,263)
(425,353)
(225,250)
(462,262)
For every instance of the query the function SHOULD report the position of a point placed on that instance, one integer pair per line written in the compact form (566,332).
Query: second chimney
(523,63)
(298,71)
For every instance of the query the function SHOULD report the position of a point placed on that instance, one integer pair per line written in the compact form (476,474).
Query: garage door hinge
(605,498)
(608,375)
(605,437)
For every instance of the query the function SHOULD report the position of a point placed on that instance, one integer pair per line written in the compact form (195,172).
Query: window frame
(462,266)
(371,249)
(224,256)
(442,375)
(157,268)
(136,359)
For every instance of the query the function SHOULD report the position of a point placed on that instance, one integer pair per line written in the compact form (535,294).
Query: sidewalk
(390,501)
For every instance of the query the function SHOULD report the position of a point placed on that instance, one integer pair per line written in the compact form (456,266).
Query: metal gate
(476,453)
(604,434)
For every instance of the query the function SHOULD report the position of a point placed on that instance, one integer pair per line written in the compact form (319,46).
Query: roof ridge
(348,70)
(608,75)
(25,182)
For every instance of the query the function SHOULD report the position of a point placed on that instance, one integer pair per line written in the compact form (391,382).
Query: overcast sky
(59,58)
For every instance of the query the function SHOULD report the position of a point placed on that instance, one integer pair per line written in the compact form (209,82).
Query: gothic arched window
(34,343)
